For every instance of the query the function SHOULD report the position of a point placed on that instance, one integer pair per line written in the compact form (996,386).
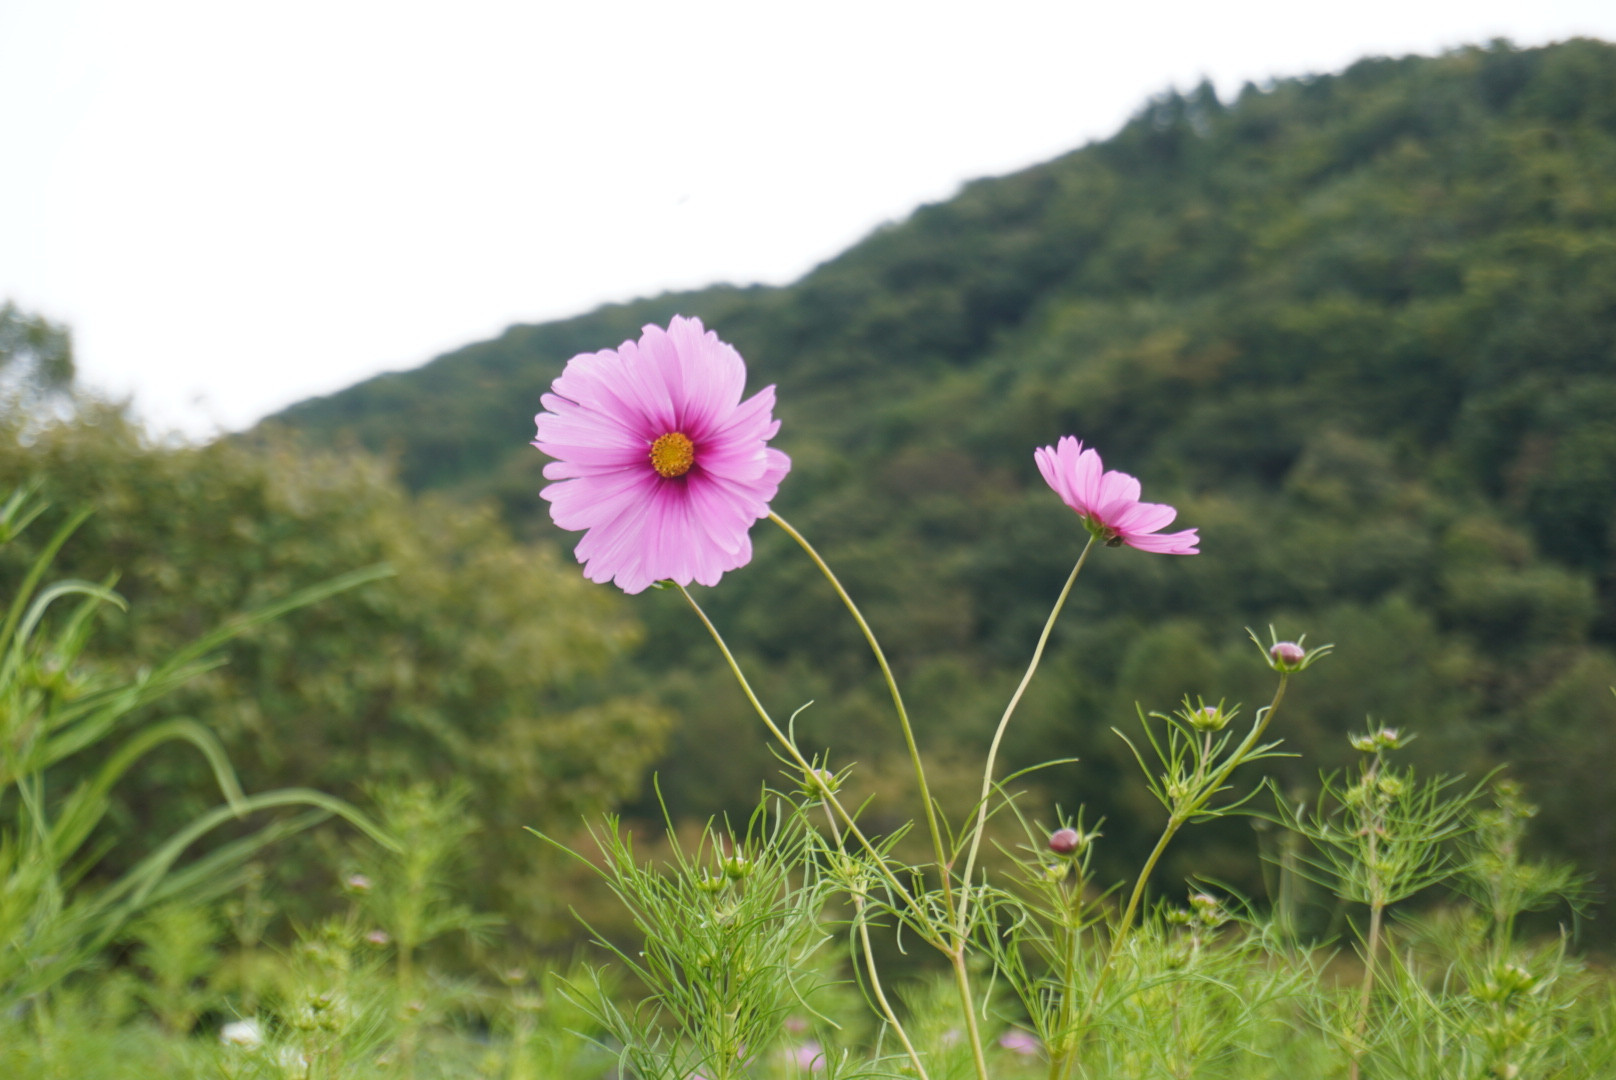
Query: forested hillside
(1360,328)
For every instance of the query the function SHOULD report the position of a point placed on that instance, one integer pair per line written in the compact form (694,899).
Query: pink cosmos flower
(1108,502)
(1020,1042)
(809,1055)
(659,460)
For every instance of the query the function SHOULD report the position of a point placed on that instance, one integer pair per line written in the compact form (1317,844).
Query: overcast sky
(238,205)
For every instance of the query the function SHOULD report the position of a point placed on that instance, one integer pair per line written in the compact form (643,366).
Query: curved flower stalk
(1108,503)
(658,459)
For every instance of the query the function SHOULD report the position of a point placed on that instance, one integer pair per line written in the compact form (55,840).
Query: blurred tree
(36,355)
(481,661)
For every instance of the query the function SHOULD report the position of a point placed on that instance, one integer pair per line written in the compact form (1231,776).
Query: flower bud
(737,868)
(357,883)
(1207,909)
(1065,841)
(819,783)
(1208,718)
(1287,655)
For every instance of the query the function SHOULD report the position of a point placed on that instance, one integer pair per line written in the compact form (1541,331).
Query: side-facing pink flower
(1108,502)
(658,459)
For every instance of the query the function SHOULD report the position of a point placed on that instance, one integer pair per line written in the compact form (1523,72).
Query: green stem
(998,736)
(1121,935)
(806,766)
(1377,904)
(1245,747)
(956,951)
(897,701)
(1370,949)
(962,980)
(1072,913)
(869,959)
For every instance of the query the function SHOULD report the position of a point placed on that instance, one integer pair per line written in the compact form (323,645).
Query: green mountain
(1360,328)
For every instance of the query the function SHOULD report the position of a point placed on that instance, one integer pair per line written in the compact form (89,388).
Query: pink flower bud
(1064,841)
(1287,655)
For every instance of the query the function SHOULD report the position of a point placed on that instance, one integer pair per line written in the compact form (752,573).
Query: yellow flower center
(672,455)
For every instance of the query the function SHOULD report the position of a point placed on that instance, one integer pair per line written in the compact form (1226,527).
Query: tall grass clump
(70,728)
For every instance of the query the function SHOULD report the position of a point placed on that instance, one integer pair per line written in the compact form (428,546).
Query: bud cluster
(1204,911)
(1208,912)
(1507,981)
(1373,742)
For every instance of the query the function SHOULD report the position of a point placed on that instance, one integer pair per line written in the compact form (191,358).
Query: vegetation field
(319,757)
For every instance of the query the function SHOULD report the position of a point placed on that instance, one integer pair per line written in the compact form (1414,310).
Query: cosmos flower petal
(596,388)
(1179,543)
(725,517)
(1084,479)
(752,418)
(714,376)
(644,388)
(1118,491)
(1049,468)
(690,520)
(778,464)
(1144,518)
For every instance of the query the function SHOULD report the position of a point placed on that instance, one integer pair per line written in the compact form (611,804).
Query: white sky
(237,205)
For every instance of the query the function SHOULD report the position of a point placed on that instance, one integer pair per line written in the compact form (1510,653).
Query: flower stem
(869,958)
(998,735)
(1377,904)
(956,949)
(897,701)
(1062,1046)
(1366,989)
(962,979)
(806,766)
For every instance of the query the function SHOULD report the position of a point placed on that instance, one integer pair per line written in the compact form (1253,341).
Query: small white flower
(248,1033)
